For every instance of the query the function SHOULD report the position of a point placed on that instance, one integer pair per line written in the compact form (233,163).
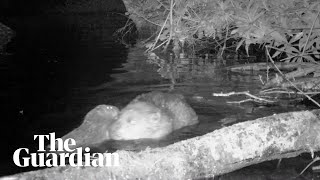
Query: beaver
(152,115)
(149,116)
(141,120)
(94,126)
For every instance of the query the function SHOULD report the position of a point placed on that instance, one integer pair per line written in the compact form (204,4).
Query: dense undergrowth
(284,26)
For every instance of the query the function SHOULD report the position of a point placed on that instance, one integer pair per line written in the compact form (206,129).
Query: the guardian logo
(57,156)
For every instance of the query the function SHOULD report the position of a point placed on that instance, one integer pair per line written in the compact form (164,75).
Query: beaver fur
(93,129)
(152,115)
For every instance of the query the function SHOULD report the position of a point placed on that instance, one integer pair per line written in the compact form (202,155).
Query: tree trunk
(225,150)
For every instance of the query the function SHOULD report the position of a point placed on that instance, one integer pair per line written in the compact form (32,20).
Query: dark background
(46,61)
(33,7)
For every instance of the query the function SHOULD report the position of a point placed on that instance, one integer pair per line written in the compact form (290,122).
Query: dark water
(63,66)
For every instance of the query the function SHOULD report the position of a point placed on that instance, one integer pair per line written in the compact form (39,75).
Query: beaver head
(140,120)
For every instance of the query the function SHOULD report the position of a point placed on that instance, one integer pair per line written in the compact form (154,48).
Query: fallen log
(301,71)
(305,84)
(266,66)
(225,150)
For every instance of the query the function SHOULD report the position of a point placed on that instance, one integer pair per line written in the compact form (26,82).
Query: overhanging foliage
(290,26)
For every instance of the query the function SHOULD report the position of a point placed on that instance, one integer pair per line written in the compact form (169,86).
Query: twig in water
(261,80)
(239,102)
(313,161)
(244,93)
